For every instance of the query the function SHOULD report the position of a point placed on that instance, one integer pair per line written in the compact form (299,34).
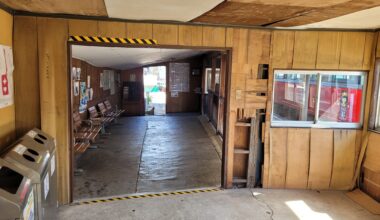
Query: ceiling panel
(280,13)
(128,58)
(77,7)
(326,13)
(366,19)
(169,10)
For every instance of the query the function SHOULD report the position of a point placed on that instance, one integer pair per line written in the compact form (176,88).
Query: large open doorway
(139,119)
(155,90)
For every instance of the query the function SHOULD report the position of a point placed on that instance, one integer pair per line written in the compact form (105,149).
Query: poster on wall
(88,81)
(90,94)
(83,97)
(6,76)
(112,82)
(76,88)
(101,80)
(107,79)
(179,79)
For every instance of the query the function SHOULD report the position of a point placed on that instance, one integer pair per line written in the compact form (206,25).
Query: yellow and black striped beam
(140,196)
(113,40)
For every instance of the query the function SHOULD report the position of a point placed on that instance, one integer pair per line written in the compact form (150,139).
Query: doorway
(155,90)
(144,107)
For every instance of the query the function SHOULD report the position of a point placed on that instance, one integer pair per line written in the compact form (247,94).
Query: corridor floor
(149,154)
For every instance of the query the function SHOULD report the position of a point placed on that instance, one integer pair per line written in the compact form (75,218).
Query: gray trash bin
(17,195)
(44,140)
(33,159)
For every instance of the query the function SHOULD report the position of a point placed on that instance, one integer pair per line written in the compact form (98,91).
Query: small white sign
(20,149)
(46,185)
(32,134)
(52,165)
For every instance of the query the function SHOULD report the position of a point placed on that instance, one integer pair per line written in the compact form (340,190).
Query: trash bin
(44,140)
(32,156)
(17,195)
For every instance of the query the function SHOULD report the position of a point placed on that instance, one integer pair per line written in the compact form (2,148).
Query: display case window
(328,99)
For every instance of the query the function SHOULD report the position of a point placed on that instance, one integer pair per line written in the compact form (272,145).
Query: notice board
(179,79)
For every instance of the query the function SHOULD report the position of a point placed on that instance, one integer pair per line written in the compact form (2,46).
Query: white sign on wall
(6,76)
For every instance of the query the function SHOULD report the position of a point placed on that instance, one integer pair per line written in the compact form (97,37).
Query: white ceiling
(169,10)
(127,58)
(366,19)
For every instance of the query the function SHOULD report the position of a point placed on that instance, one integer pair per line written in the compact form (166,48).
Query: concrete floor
(258,204)
(149,154)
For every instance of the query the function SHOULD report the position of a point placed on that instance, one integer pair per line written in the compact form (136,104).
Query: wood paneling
(352,53)
(329,47)
(166,34)
(277,159)
(369,46)
(285,49)
(189,35)
(258,49)
(282,49)
(7,122)
(112,29)
(298,158)
(27,89)
(344,159)
(214,36)
(321,158)
(140,30)
(52,51)
(305,49)
(83,27)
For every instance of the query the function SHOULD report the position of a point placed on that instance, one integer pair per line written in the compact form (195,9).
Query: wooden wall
(134,107)
(7,114)
(100,95)
(250,47)
(186,101)
(370,172)
(314,158)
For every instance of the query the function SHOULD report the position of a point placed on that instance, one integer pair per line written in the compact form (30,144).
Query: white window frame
(317,123)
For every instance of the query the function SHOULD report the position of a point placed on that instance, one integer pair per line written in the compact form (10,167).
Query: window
(331,99)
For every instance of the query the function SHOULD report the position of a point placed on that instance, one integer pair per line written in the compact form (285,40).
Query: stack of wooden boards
(86,131)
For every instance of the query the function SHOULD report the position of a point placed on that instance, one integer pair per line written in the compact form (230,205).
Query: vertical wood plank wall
(327,156)
(371,163)
(7,114)
(250,47)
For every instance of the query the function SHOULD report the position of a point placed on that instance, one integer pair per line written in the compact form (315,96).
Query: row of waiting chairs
(86,131)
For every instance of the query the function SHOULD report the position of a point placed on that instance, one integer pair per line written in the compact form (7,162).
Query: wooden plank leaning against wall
(326,157)
(250,48)
(7,114)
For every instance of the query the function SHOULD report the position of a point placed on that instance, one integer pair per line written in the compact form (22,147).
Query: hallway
(149,154)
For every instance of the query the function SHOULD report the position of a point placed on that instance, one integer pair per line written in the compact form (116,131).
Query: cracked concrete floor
(239,204)
(149,154)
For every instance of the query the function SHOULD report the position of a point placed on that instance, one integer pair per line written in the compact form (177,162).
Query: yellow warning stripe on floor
(140,196)
(113,40)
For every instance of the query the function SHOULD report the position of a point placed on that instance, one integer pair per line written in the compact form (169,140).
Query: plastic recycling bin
(17,194)
(33,155)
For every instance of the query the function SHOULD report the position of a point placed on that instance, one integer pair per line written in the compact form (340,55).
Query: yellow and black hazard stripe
(112,40)
(140,196)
